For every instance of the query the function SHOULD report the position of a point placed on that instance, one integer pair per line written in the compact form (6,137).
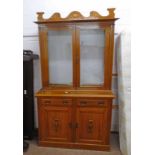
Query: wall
(30,36)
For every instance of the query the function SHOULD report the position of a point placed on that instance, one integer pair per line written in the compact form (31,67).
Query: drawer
(87,102)
(56,102)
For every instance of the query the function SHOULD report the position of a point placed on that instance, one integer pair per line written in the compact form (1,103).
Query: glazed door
(76,56)
(60,57)
(56,41)
(91,57)
(92,42)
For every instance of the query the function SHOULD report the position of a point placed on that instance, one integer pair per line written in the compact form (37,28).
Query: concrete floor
(34,149)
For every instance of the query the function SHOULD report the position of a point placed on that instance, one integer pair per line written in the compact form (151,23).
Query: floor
(34,149)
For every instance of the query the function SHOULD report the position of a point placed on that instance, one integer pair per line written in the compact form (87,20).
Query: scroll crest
(75,15)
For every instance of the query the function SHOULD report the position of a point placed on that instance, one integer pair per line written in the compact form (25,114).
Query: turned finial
(111,12)
(40,15)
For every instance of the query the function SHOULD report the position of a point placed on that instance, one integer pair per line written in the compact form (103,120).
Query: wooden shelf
(76,93)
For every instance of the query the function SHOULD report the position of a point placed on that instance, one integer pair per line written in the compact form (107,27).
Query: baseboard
(36,132)
(75,145)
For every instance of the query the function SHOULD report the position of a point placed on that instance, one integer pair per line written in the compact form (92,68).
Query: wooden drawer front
(56,102)
(87,102)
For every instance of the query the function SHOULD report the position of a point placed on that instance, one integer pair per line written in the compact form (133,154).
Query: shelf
(75,93)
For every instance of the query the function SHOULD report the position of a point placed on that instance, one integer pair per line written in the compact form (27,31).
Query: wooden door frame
(75,30)
(108,54)
(43,40)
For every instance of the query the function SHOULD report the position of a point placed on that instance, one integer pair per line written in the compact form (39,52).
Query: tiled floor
(34,149)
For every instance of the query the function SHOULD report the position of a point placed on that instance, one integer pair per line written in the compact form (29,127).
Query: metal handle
(56,125)
(90,126)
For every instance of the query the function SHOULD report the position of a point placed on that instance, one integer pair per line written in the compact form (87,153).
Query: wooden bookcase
(75,102)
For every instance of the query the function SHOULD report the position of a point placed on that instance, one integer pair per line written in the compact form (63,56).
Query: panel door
(54,123)
(60,57)
(91,125)
(56,42)
(94,56)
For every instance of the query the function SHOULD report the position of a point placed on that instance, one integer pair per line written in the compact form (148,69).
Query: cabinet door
(60,57)
(92,44)
(91,125)
(56,47)
(55,123)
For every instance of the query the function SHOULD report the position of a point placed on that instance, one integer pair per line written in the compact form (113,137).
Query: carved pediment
(76,16)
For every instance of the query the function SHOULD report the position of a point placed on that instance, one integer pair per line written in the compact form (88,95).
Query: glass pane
(60,57)
(91,57)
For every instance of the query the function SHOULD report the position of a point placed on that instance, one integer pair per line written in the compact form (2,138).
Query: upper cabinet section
(76,51)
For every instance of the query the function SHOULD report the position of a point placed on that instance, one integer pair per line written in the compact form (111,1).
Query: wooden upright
(76,112)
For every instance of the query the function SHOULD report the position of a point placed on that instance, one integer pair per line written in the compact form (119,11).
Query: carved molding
(76,16)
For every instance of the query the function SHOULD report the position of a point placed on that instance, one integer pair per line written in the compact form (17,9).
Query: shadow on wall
(123,47)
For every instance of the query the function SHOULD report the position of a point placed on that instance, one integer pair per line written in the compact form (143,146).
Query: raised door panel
(56,123)
(91,125)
